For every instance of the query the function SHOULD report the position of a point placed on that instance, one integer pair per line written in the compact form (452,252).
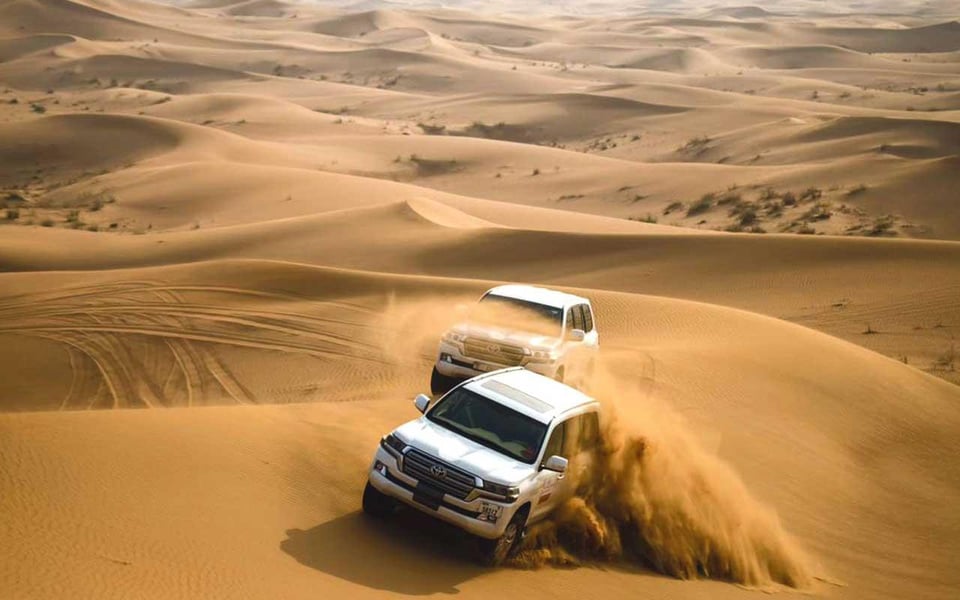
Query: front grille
(491,351)
(421,466)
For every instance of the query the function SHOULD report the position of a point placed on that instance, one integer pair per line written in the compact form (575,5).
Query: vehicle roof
(529,393)
(540,295)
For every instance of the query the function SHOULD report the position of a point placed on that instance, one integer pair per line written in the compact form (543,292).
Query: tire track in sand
(149,343)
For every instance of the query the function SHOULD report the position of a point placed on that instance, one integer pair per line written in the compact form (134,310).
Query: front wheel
(376,503)
(494,552)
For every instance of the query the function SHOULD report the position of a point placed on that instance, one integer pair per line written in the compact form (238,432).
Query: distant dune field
(233,231)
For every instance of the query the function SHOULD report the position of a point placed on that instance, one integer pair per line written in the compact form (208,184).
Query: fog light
(381,468)
(445,357)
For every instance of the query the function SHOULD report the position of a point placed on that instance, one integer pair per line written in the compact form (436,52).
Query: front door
(549,484)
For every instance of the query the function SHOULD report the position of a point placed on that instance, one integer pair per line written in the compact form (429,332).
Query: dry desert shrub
(701,206)
(675,205)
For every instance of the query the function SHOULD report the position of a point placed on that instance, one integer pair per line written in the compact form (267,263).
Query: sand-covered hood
(463,453)
(524,339)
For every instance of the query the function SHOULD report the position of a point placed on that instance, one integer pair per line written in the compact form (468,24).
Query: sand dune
(171,77)
(741,12)
(14,48)
(253,219)
(645,263)
(138,137)
(940,37)
(838,138)
(312,504)
(674,60)
(355,24)
(86,20)
(805,57)
(258,8)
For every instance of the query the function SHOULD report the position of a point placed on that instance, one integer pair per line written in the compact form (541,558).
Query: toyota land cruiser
(543,330)
(495,454)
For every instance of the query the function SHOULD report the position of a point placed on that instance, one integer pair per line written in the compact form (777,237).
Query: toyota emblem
(493,348)
(438,472)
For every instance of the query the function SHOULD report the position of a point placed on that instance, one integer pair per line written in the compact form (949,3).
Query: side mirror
(422,401)
(556,463)
(577,335)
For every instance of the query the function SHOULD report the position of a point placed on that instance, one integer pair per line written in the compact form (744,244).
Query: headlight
(393,444)
(510,492)
(454,337)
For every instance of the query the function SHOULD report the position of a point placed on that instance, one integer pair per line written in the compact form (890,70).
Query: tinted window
(577,317)
(490,424)
(589,434)
(555,446)
(587,319)
(582,435)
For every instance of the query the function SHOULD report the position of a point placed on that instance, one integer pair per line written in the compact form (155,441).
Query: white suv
(543,330)
(495,454)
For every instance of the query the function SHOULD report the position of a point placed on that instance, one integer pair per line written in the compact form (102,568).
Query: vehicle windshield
(518,314)
(490,424)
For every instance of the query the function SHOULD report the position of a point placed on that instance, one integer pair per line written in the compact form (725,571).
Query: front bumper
(454,511)
(451,362)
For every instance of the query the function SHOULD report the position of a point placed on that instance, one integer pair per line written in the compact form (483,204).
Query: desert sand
(233,232)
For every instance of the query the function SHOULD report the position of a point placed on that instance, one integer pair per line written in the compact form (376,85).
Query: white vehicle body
(471,348)
(468,481)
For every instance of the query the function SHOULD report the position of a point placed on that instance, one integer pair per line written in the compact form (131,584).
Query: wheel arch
(525,509)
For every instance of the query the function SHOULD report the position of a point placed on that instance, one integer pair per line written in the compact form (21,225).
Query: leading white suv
(495,454)
(546,331)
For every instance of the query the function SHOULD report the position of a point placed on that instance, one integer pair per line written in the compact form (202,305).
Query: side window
(555,445)
(587,318)
(582,435)
(590,432)
(577,315)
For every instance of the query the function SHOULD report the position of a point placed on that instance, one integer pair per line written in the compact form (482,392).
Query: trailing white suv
(546,331)
(495,454)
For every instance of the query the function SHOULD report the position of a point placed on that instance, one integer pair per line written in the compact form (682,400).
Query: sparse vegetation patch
(673,206)
(857,189)
(701,206)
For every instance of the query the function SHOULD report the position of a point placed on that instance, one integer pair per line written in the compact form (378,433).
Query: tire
(494,552)
(440,384)
(376,503)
